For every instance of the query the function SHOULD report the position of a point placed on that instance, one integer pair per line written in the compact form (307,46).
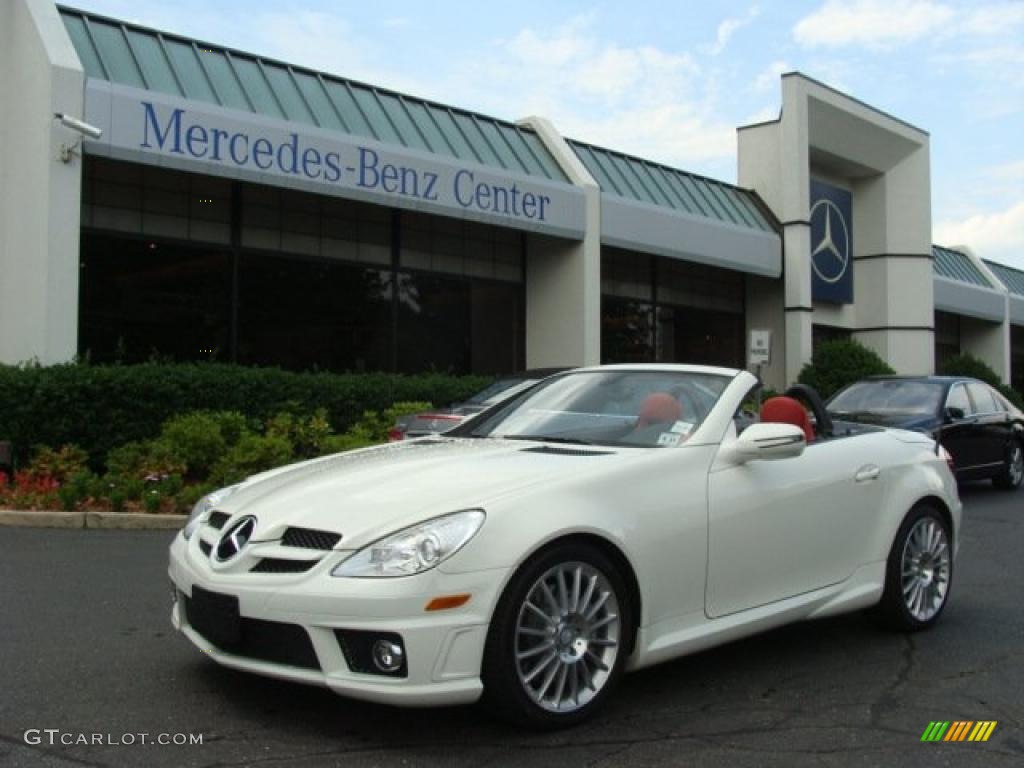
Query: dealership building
(243,209)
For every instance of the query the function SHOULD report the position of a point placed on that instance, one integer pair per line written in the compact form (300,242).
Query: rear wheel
(558,640)
(1013,471)
(919,571)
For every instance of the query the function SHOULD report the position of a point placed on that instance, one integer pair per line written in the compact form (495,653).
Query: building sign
(831,243)
(760,347)
(148,127)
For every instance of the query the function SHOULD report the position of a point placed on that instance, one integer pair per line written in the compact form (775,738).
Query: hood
(366,494)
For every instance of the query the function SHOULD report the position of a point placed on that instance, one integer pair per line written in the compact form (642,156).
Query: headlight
(414,549)
(204,505)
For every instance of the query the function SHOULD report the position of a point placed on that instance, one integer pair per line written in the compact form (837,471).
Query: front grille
(309,538)
(217,519)
(271,641)
(205,548)
(278,565)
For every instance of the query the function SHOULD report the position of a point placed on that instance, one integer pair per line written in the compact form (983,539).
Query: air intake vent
(564,451)
(279,565)
(308,538)
(217,519)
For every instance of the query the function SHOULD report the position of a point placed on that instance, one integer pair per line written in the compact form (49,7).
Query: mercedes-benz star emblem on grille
(830,258)
(235,538)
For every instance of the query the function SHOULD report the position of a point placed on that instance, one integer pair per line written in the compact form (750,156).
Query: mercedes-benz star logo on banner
(236,537)
(830,258)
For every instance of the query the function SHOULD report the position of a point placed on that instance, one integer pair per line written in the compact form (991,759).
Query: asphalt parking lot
(86,648)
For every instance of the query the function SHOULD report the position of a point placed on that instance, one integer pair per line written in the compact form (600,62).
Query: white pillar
(39,194)
(563,277)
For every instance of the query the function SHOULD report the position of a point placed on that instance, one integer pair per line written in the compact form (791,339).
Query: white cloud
(997,19)
(645,100)
(872,23)
(768,80)
(729,27)
(998,236)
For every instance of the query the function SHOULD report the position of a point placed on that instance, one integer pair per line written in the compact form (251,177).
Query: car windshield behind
(887,400)
(620,407)
(496,391)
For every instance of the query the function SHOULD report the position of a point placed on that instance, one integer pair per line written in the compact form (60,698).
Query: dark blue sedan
(979,427)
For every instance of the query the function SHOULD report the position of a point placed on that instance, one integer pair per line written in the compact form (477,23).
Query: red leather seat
(787,410)
(659,408)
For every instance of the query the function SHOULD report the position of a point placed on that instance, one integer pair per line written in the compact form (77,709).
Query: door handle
(867,473)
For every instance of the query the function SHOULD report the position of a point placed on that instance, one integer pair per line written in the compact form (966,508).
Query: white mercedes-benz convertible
(607,519)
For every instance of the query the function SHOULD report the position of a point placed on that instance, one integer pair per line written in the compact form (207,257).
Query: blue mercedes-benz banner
(831,243)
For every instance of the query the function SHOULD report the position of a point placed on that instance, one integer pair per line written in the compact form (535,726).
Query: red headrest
(786,410)
(658,408)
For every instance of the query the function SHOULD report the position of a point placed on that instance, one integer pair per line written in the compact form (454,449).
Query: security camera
(79,125)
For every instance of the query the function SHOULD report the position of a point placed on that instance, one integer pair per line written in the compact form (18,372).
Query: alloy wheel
(568,637)
(925,568)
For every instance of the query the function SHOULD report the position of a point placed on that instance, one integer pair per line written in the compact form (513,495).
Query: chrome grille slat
(217,519)
(310,538)
(278,565)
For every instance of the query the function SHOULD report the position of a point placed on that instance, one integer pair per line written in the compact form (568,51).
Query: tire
(919,572)
(1013,472)
(559,638)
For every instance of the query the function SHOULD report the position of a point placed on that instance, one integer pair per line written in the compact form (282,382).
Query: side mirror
(955,414)
(767,441)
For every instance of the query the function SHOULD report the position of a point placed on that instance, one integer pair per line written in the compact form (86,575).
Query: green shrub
(838,363)
(196,440)
(101,407)
(371,429)
(149,458)
(969,365)
(306,434)
(252,454)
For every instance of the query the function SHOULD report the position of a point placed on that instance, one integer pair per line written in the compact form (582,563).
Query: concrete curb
(133,521)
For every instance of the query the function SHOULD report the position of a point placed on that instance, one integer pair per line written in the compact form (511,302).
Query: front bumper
(443,649)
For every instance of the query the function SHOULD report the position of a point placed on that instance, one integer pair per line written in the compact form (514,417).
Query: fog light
(388,656)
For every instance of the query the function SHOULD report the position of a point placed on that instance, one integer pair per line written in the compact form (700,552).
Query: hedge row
(100,407)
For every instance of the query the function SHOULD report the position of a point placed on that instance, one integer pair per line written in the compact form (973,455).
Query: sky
(671,81)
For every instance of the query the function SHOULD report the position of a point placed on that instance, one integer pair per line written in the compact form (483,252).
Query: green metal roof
(644,181)
(1012,278)
(124,53)
(958,266)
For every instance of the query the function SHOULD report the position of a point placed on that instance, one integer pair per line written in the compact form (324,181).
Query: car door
(781,528)
(992,425)
(959,436)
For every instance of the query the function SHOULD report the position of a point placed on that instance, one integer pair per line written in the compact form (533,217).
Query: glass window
(629,408)
(981,395)
(958,399)
(700,336)
(887,401)
(142,299)
(627,331)
(302,314)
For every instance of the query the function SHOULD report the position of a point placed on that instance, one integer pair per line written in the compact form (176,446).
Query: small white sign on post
(760,347)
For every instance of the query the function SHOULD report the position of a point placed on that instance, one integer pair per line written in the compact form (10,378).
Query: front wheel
(558,640)
(919,571)
(1013,471)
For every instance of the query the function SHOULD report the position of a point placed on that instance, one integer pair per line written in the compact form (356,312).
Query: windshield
(496,391)
(888,399)
(628,408)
